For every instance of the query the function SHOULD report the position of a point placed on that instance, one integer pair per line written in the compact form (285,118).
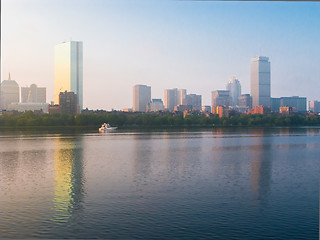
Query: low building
(259,110)
(206,109)
(300,103)
(155,105)
(285,110)
(222,111)
(53,108)
(23,107)
(183,108)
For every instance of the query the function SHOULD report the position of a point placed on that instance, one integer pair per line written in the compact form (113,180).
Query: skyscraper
(141,97)
(260,81)
(220,98)
(9,92)
(68,70)
(33,94)
(244,102)
(235,90)
(314,106)
(170,98)
(181,96)
(194,100)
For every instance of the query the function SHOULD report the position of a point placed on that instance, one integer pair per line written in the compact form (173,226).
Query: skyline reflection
(68,178)
(261,167)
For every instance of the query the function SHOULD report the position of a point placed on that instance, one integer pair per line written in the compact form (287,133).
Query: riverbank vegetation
(121,119)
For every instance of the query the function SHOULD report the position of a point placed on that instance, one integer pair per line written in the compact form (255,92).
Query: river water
(214,184)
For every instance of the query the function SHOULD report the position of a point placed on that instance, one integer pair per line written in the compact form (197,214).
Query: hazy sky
(196,45)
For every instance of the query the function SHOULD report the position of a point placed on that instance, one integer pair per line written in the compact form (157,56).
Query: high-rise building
(9,92)
(68,102)
(235,90)
(141,97)
(68,70)
(174,97)
(194,100)
(33,94)
(260,82)
(221,98)
(170,98)
(314,106)
(244,102)
(181,96)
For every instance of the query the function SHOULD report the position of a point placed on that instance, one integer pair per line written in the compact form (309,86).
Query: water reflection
(68,178)
(261,167)
(142,159)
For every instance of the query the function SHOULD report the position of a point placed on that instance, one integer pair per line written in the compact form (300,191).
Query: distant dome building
(235,90)
(9,92)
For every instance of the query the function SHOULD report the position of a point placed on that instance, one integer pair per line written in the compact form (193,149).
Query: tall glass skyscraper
(68,70)
(260,82)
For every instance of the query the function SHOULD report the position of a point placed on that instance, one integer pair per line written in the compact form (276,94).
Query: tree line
(121,119)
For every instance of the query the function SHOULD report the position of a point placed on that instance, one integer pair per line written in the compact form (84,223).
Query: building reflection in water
(68,179)
(261,167)
(143,155)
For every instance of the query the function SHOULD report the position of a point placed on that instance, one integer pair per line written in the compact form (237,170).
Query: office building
(314,106)
(260,82)
(235,90)
(68,70)
(68,102)
(181,96)
(220,98)
(275,104)
(194,100)
(9,92)
(141,97)
(245,101)
(170,98)
(33,94)
(155,105)
(299,103)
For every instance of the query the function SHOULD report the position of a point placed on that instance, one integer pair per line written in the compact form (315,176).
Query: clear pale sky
(196,45)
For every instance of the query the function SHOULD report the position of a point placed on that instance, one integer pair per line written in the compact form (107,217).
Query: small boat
(106,127)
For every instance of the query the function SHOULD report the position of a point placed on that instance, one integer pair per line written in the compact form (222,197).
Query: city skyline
(196,51)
